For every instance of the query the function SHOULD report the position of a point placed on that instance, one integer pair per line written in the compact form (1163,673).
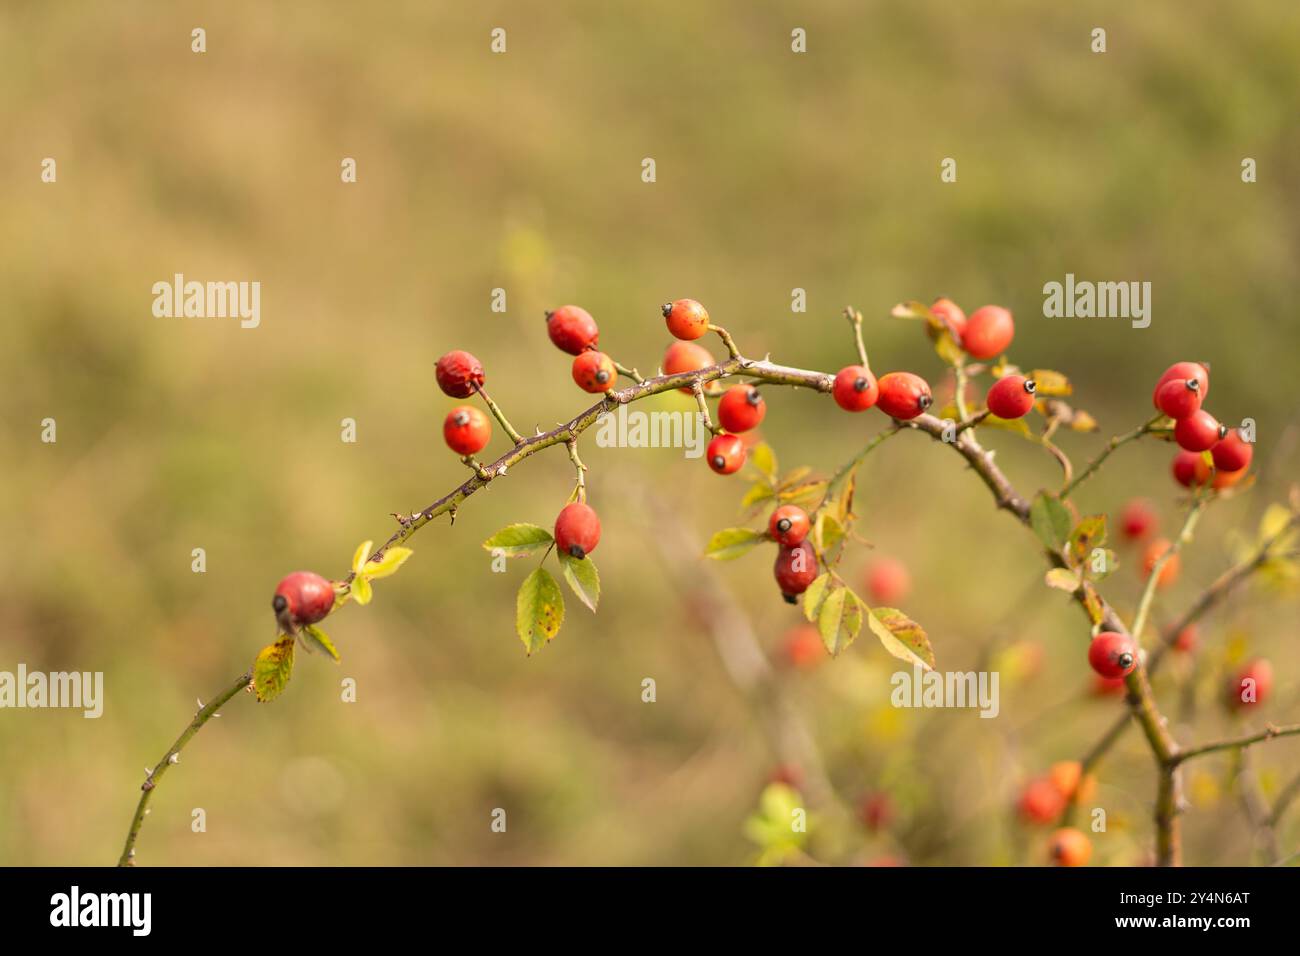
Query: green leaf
(272,669)
(793,477)
(762,457)
(583,579)
(1089,533)
(519,540)
(539,610)
(1050,520)
(815,595)
(731,543)
(840,619)
(392,559)
(771,826)
(1063,579)
(361,590)
(321,639)
(902,636)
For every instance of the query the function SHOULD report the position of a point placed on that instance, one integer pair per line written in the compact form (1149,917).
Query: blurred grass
(522,171)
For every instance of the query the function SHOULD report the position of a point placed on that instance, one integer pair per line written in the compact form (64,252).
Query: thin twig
(171,757)
(1232,743)
(500,416)
(1109,449)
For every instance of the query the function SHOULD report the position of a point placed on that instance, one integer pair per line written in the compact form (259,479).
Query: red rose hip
(1252,684)
(1190,469)
(1232,452)
(794,570)
(572,329)
(789,525)
(466,430)
(855,388)
(951,315)
(459,374)
(302,598)
(726,454)
(686,318)
(888,581)
(741,408)
(989,330)
(594,372)
(1137,519)
(1198,432)
(1179,398)
(577,529)
(1112,654)
(903,395)
(1182,371)
(1011,396)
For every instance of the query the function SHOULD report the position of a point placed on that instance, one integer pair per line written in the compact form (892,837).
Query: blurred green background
(522,171)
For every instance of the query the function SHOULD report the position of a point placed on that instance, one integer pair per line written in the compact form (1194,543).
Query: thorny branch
(1141,702)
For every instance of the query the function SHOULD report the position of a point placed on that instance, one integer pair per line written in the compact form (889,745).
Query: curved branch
(172,756)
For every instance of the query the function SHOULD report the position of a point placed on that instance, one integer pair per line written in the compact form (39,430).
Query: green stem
(171,757)
(500,416)
(855,320)
(1111,446)
(581,489)
(1149,592)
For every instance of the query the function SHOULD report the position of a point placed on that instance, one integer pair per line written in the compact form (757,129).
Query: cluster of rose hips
(1044,799)
(1179,394)
(466,429)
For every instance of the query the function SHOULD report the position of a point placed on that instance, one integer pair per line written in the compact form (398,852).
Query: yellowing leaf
(840,619)
(539,610)
(1063,579)
(315,635)
(272,669)
(758,492)
(815,595)
(901,636)
(361,590)
(1050,383)
(762,457)
(391,560)
(362,553)
(912,310)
